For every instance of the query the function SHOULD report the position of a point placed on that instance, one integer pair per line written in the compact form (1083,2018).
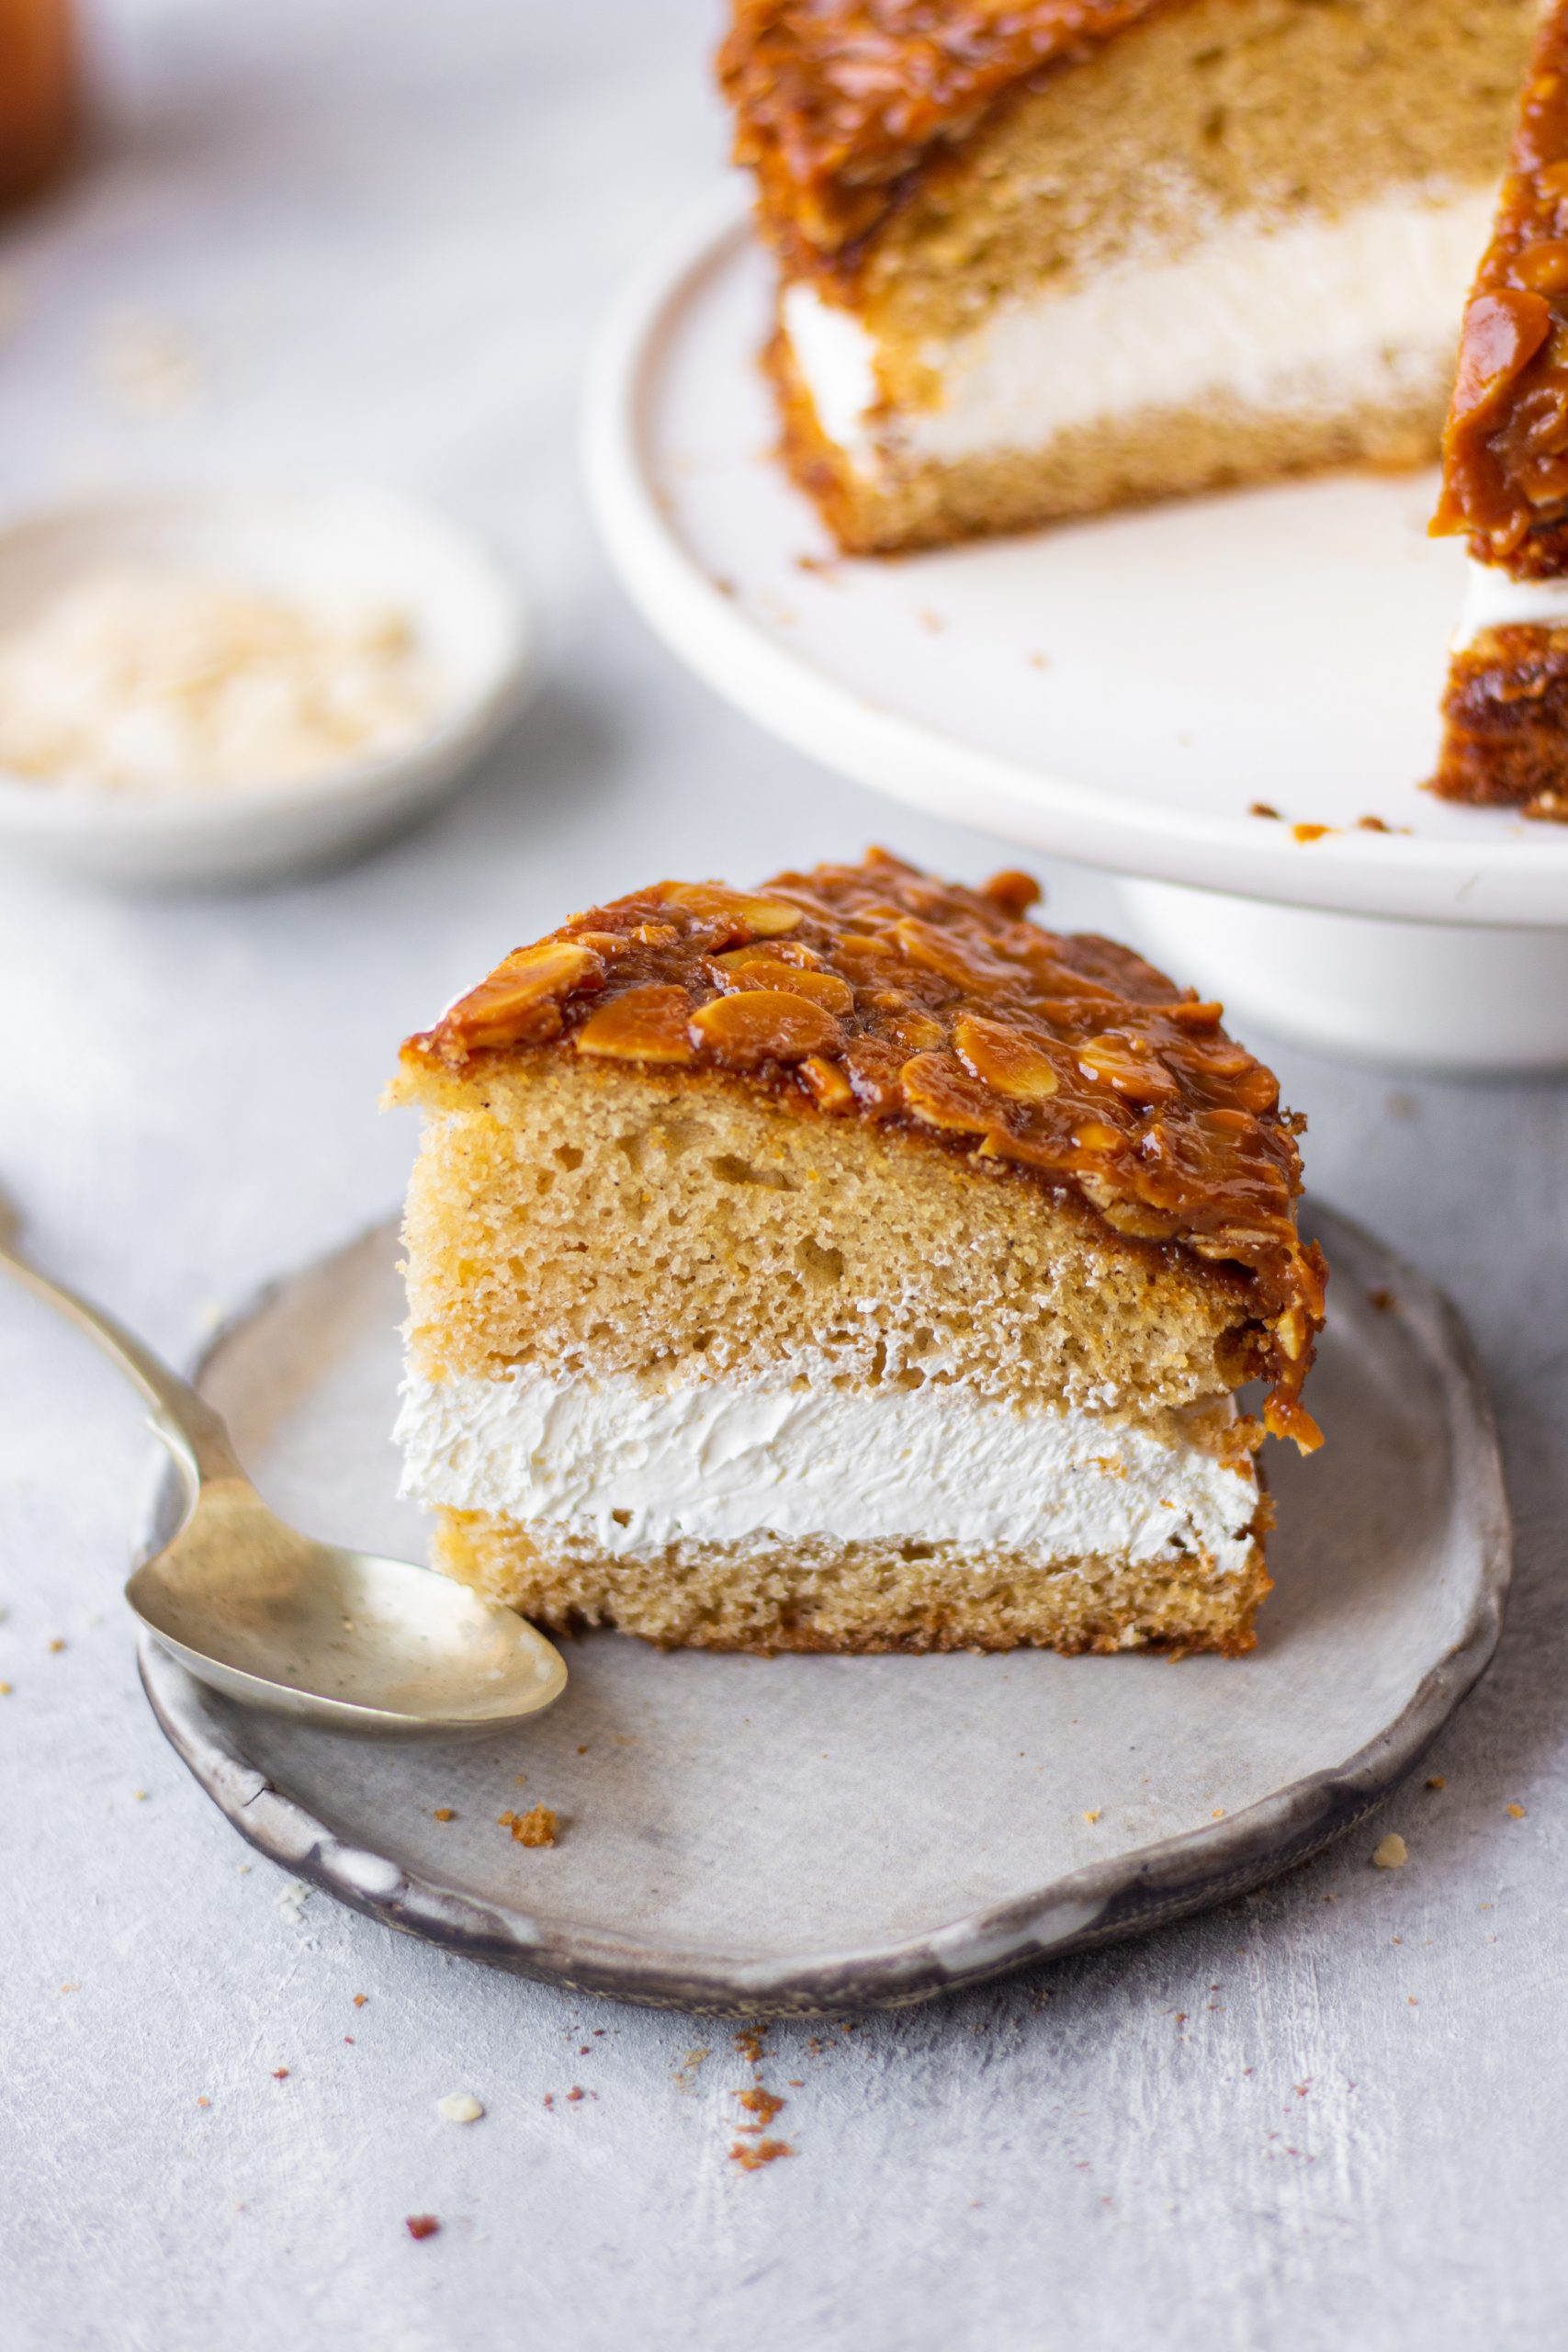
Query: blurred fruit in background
(38,94)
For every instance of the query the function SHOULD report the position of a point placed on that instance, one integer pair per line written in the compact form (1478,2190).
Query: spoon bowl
(349,1638)
(275,1618)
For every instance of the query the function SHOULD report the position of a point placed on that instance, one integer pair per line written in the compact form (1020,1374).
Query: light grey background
(1332,2115)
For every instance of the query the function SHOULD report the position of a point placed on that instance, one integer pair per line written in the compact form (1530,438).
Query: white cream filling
(639,1466)
(1493,601)
(1291,316)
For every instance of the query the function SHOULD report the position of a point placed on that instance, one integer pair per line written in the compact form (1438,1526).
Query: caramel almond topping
(1505,444)
(829,1088)
(1129,1065)
(771,951)
(1007,1059)
(874,992)
(644,1026)
(825,989)
(940,1091)
(763,1025)
(518,1002)
(745,917)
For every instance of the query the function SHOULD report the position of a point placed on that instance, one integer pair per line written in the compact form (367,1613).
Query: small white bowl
(467,615)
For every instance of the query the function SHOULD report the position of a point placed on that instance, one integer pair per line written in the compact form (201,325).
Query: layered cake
(850,1264)
(1505,476)
(1049,257)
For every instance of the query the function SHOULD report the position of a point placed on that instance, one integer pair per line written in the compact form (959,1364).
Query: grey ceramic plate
(754,1835)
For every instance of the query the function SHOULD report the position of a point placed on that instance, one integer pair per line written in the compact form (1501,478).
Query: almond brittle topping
(644,1026)
(764,1024)
(874,992)
(1505,444)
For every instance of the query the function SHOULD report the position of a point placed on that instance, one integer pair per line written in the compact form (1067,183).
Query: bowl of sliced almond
(211,686)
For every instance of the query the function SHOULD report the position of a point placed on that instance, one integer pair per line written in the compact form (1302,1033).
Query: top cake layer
(837,101)
(1506,444)
(944,1017)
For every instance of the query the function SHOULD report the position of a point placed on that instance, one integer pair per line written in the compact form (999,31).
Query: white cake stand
(1122,692)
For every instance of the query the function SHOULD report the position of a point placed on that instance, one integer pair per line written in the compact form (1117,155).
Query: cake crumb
(1515,1813)
(1093,1816)
(536,1828)
(1310,833)
(574,2094)
(1263,808)
(139,1795)
(204,2102)
(751,2155)
(280,2073)
(58,1644)
(422,2225)
(443,1812)
(1391,1853)
(459,2106)
(1436,1782)
(686,2075)
(764,2105)
(360,1999)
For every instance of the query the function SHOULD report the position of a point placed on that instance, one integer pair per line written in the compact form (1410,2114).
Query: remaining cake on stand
(1049,258)
(1505,476)
(850,1265)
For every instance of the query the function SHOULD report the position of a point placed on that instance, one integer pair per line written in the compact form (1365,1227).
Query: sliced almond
(939,1091)
(1128,1068)
(766,971)
(827,1083)
(499,1012)
(1005,1058)
(764,1024)
(763,918)
(643,1025)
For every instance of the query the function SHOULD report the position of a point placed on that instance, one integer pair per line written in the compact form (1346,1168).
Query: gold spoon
(270,1616)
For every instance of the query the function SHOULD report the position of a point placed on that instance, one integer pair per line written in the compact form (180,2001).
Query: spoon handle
(193,1432)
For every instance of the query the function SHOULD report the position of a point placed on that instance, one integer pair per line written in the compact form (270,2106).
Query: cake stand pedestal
(1456,998)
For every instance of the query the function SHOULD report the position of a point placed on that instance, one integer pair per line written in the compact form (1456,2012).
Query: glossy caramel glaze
(874,992)
(839,103)
(1505,444)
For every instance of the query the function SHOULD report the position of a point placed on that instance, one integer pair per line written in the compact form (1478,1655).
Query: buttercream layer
(1314,313)
(638,1465)
(1493,600)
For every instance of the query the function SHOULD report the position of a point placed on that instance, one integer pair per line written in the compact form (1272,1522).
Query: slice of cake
(1051,258)
(1505,476)
(850,1265)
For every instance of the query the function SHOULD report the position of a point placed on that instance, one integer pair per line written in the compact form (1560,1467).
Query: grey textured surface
(1331,2115)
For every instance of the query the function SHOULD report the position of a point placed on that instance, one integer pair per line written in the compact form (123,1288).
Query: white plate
(467,618)
(793,1833)
(1284,645)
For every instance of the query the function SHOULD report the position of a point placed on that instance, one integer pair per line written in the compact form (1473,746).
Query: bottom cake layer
(818,1592)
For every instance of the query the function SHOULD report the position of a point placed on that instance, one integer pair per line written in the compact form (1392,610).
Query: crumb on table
(536,1828)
